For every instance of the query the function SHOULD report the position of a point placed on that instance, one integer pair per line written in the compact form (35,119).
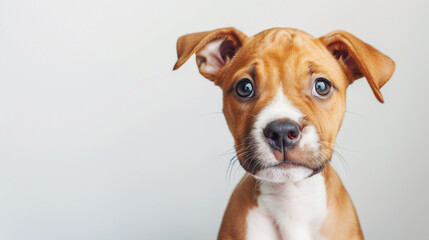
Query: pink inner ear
(209,58)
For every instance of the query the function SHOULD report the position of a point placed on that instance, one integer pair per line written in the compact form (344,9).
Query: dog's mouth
(305,158)
(264,162)
(287,164)
(282,171)
(258,166)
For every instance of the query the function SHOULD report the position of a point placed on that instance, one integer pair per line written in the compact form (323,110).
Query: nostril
(292,134)
(270,133)
(274,136)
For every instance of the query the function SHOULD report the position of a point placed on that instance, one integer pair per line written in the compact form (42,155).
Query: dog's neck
(297,208)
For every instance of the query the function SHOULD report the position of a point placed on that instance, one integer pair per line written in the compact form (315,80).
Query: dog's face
(284,100)
(284,93)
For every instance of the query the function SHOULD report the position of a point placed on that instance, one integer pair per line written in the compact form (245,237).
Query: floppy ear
(359,59)
(214,49)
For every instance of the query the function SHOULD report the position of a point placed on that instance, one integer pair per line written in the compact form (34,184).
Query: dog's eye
(322,87)
(244,88)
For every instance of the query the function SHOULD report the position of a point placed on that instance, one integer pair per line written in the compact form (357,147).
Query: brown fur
(289,59)
(341,223)
(242,200)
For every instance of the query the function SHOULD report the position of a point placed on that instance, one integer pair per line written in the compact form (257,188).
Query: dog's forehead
(281,36)
(280,48)
(283,52)
(280,41)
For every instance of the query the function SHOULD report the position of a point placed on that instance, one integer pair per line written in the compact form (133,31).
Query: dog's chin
(284,173)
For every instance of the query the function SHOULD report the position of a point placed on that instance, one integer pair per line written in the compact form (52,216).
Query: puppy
(284,98)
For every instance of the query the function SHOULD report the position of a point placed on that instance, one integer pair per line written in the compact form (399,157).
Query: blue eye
(244,88)
(322,87)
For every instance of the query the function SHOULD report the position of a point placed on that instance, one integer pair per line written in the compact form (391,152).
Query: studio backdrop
(100,139)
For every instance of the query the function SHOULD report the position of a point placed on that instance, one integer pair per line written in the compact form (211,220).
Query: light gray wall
(99,139)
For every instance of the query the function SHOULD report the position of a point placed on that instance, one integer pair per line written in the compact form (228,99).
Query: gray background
(99,139)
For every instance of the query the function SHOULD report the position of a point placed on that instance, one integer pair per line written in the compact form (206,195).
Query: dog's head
(284,92)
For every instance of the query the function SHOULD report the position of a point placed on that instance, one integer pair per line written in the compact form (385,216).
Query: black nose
(282,134)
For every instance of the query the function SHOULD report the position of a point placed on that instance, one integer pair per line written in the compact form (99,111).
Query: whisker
(357,114)
(230,166)
(339,156)
(246,175)
(337,146)
(209,113)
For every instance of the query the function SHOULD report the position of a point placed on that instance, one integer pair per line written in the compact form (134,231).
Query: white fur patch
(295,210)
(310,138)
(279,108)
(280,175)
(260,226)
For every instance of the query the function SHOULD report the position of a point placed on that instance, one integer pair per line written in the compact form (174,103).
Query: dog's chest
(289,210)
